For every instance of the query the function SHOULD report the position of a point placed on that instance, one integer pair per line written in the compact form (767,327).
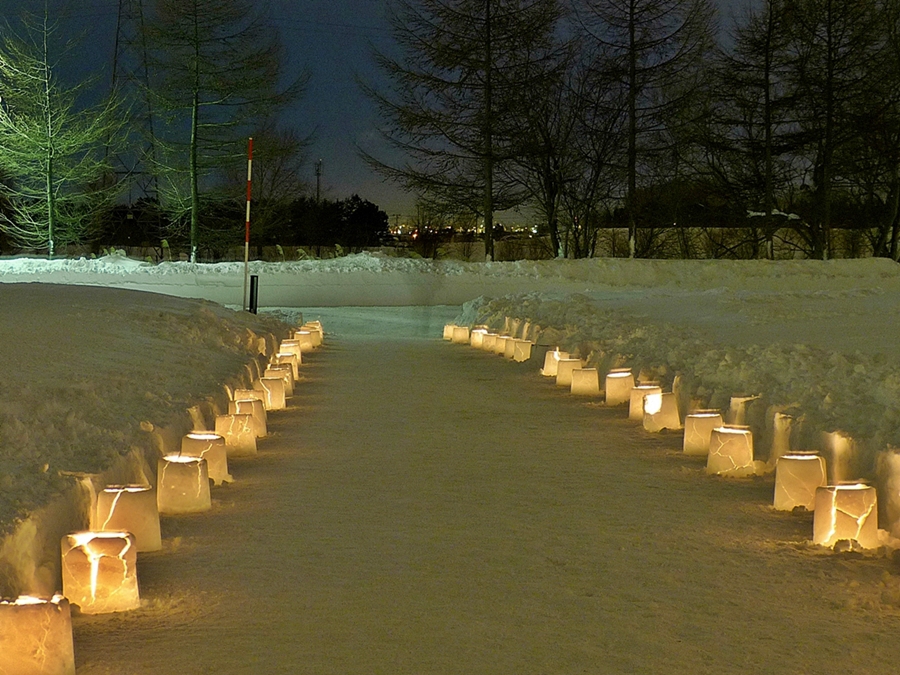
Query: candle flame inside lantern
(638,396)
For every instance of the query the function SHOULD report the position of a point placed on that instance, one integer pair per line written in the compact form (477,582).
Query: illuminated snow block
(129,508)
(730,452)
(487,342)
(737,409)
(500,344)
(182,485)
(272,389)
(564,370)
(244,394)
(522,351)
(284,372)
(291,347)
(781,436)
(99,571)
(212,448)
(36,636)
(841,457)
(240,432)
(846,512)
(585,382)
(476,337)
(460,335)
(698,427)
(510,348)
(619,383)
(797,477)
(551,362)
(448,331)
(316,333)
(661,412)
(292,360)
(253,407)
(636,400)
(304,340)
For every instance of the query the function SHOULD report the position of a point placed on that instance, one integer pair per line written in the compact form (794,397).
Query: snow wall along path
(428,508)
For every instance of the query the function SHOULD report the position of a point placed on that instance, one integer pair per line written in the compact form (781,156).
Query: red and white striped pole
(247,228)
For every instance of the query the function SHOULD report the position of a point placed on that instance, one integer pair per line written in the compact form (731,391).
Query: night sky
(331,39)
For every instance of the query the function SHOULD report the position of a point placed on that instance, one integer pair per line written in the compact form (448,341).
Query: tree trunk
(488,138)
(632,133)
(195,120)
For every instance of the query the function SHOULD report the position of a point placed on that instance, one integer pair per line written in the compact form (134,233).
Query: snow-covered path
(427,508)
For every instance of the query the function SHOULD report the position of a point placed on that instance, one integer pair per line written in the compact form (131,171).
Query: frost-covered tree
(53,152)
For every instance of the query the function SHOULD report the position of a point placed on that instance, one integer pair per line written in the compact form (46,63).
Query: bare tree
(216,71)
(464,65)
(53,152)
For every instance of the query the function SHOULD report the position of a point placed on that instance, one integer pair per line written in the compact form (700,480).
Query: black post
(254,292)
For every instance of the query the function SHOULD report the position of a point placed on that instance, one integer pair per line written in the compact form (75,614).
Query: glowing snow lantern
(36,636)
(500,343)
(129,508)
(730,452)
(460,335)
(841,453)
(182,485)
(291,347)
(522,351)
(661,412)
(212,448)
(305,340)
(698,427)
(315,331)
(245,394)
(636,400)
(99,571)
(737,410)
(846,512)
(585,382)
(272,389)
(477,336)
(510,348)
(619,383)
(448,331)
(564,369)
(551,362)
(797,477)
(239,430)
(284,372)
(292,360)
(487,342)
(254,407)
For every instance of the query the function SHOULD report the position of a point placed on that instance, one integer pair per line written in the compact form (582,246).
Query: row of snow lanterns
(99,566)
(842,511)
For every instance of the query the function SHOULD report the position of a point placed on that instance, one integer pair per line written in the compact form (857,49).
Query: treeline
(163,155)
(651,115)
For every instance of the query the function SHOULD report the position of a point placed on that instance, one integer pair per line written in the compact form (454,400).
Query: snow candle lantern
(564,369)
(251,406)
(661,412)
(182,485)
(284,372)
(212,448)
(797,477)
(476,336)
(239,431)
(304,340)
(291,347)
(460,335)
(730,452)
(292,360)
(448,331)
(551,362)
(510,349)
(698,427)
(36,636)
(585,382)
(500,344)
(272,389)
(99,571)
(487,342)
(129,508)
(636,400)
(619,383)
(522,351)
(846,512)
(315,331)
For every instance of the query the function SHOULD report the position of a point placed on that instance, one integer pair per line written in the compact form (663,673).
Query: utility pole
(318,181)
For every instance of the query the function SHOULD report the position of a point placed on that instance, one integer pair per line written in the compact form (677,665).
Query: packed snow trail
(427,508)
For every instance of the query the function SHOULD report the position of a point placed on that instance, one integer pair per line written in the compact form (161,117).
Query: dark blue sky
(330,38)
